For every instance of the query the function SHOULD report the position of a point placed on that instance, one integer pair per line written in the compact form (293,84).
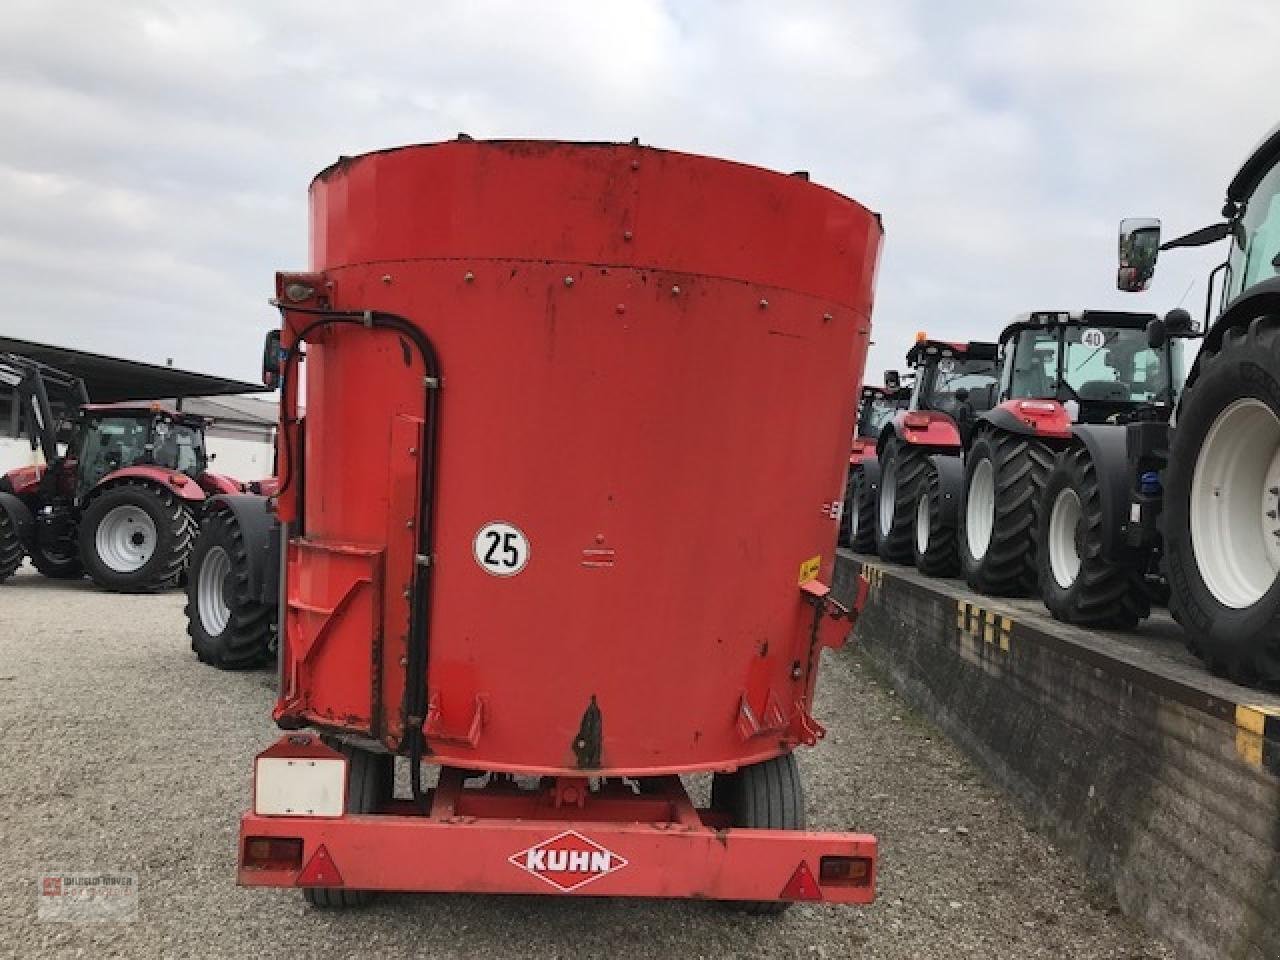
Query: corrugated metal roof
(111,379)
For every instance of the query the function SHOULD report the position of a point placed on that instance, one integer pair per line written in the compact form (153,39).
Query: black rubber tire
(248,639)
(860,504)
(57,567)
(370,780)
(1242,643)
(11,552)
(939,558)
(903,481)
(1021,465)
(1103,594)
(767,795)
(175,531)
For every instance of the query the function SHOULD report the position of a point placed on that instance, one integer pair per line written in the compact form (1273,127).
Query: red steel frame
(478,840)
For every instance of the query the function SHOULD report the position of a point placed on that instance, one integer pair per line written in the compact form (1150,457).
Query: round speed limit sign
(501,549)
(1093,338)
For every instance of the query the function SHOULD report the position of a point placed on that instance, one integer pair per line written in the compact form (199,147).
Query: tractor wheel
(934,545)
(370,780)
(766,796)
(57,564)
(11,551)
(900,471)
(1076,583)
(1222,497)
(1003,477)
(136,538)
(859,519)
(230,628)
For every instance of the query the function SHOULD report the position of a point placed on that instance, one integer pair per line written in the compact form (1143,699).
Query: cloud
(154,168)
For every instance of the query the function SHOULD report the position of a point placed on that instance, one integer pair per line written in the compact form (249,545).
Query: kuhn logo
(568,861)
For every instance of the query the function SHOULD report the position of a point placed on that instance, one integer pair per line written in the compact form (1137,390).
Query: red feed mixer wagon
(520,546)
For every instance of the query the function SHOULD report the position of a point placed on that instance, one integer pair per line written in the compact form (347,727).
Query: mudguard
(921,428)
(259,527)
(1108,448)
(1259,299)
(179,483)
(951,478)
(24,480)
(1015,416)
(21,519)
(217,483)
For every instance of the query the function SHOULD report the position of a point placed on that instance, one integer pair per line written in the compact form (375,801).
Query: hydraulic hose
(414,703)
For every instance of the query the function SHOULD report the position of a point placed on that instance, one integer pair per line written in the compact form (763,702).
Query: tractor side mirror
(892,381)
(1139,247)
(272,359)
(1157,334)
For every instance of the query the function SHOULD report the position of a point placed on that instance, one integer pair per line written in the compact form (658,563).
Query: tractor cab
(1101,366)
(109,437)
(955,379)
(875,409)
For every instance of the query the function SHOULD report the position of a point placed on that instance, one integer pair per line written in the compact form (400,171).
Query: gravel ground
(127,755)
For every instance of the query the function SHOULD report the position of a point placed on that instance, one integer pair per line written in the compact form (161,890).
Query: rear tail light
(917,421)
(844,871)
(273,853)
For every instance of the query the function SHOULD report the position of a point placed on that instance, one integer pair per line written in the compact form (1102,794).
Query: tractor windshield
(876,410)
(950,380)
(111,443)
(1092,364)
(1255,246)
(178,447)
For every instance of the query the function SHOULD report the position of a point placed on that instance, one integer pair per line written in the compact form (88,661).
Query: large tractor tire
(370,781)
(230,628)
(1077,583)
(1003,478)
(934,545)
(11,551)
(901,469)
(858,522)
(57,562)
(766,796)
(136,538)
(1222,499)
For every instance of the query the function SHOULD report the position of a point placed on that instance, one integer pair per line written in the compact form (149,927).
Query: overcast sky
(154,157)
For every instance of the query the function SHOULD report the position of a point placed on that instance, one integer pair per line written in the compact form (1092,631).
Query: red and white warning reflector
(802,885)
(320,870)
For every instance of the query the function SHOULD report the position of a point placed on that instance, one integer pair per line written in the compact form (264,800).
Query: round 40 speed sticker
(501,548)
(1093,337)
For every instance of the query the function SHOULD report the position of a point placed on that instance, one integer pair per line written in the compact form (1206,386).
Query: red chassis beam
(557,840)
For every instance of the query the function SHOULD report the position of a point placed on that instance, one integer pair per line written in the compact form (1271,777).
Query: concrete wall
(16,453)
(244,459)
(1161,780)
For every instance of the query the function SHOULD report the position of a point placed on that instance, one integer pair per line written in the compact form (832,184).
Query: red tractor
(875,409)
(921,445)
(1058,437)
(119,501)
